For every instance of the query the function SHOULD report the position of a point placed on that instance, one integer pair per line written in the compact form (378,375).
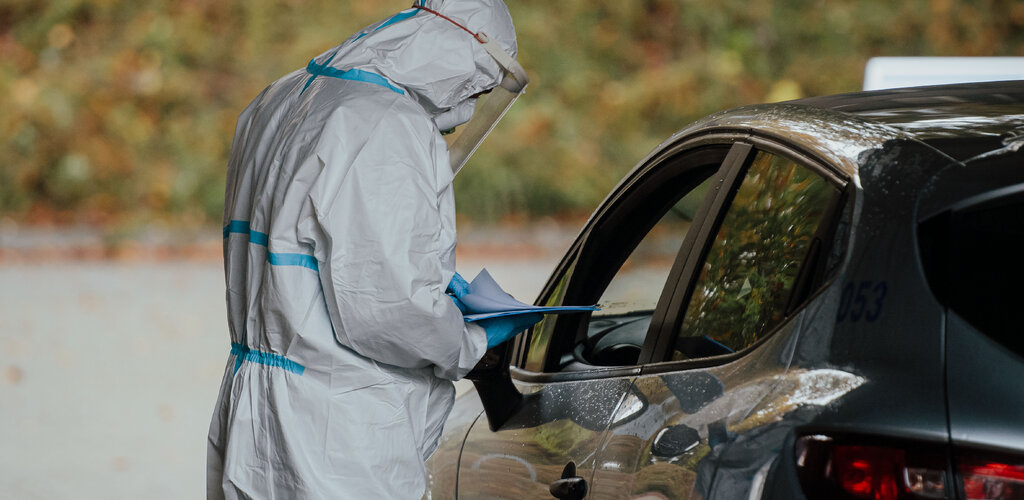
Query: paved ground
(109,368)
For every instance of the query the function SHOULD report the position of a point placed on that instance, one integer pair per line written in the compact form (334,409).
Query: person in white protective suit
(339,245)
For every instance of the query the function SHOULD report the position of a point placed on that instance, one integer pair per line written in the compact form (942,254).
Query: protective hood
(437,63)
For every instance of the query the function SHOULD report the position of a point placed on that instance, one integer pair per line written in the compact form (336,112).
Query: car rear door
(576,371)
(718,391)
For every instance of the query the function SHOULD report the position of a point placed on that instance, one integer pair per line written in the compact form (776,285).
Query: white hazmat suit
(339,241)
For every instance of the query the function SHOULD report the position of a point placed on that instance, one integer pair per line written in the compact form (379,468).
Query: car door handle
(570,486)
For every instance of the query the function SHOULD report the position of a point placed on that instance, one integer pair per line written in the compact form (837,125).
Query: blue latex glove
(501,329)
(458,286)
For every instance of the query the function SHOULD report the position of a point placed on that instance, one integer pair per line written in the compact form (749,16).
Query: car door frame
(679,283)
(696,245)
(607,209)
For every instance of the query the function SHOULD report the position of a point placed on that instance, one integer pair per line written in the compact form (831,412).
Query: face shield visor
(491,106)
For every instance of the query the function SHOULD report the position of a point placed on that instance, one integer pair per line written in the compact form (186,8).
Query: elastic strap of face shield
(515,76)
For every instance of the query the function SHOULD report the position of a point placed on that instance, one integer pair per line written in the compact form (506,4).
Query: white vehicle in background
(899,72)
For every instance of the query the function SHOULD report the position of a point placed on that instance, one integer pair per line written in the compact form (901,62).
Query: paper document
(487,300)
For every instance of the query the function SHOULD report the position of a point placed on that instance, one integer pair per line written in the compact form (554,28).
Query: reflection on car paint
(712,425)
(557,423)
(443,465)
(814,387)
(723,422)
(840,140)
(1011,144)
(529,468)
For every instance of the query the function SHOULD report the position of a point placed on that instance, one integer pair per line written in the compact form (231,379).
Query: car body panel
(985,406)
(871,352)
(557,423)
(716,416)
(443,467)
(836,138)
(889,327)
(928,113)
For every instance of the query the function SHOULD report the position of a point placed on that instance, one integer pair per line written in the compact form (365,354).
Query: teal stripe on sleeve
(259,238)
(401,16)
(353,74)
(293,259)
(263,240)
(242,352)
(236,226)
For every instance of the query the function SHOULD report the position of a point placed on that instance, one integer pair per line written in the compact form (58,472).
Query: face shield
(490,107)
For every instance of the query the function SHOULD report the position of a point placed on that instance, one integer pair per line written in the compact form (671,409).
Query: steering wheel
(613,341)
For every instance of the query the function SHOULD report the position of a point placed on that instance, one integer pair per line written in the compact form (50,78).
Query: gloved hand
(499,330)
(458,286)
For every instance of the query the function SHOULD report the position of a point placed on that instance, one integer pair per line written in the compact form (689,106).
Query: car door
(720,387)
(576,371)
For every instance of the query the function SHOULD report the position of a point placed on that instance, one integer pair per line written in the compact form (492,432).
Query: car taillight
(868,471)
(848,470)
(991,479)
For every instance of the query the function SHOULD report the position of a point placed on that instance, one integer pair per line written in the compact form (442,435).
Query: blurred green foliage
(114,111)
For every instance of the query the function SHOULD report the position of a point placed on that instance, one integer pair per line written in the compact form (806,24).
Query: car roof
(961,120)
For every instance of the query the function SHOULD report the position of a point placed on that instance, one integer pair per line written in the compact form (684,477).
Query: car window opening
(623,267)
(768,237)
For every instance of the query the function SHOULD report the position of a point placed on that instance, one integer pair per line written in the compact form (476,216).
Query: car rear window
(973,256)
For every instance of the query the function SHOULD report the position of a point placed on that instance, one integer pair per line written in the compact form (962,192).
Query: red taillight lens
(869,471)
(991,480)
(830,469)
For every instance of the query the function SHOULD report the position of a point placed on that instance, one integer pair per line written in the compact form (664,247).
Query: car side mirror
(493,383)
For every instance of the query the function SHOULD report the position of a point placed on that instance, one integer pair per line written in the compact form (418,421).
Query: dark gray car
(811,299)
